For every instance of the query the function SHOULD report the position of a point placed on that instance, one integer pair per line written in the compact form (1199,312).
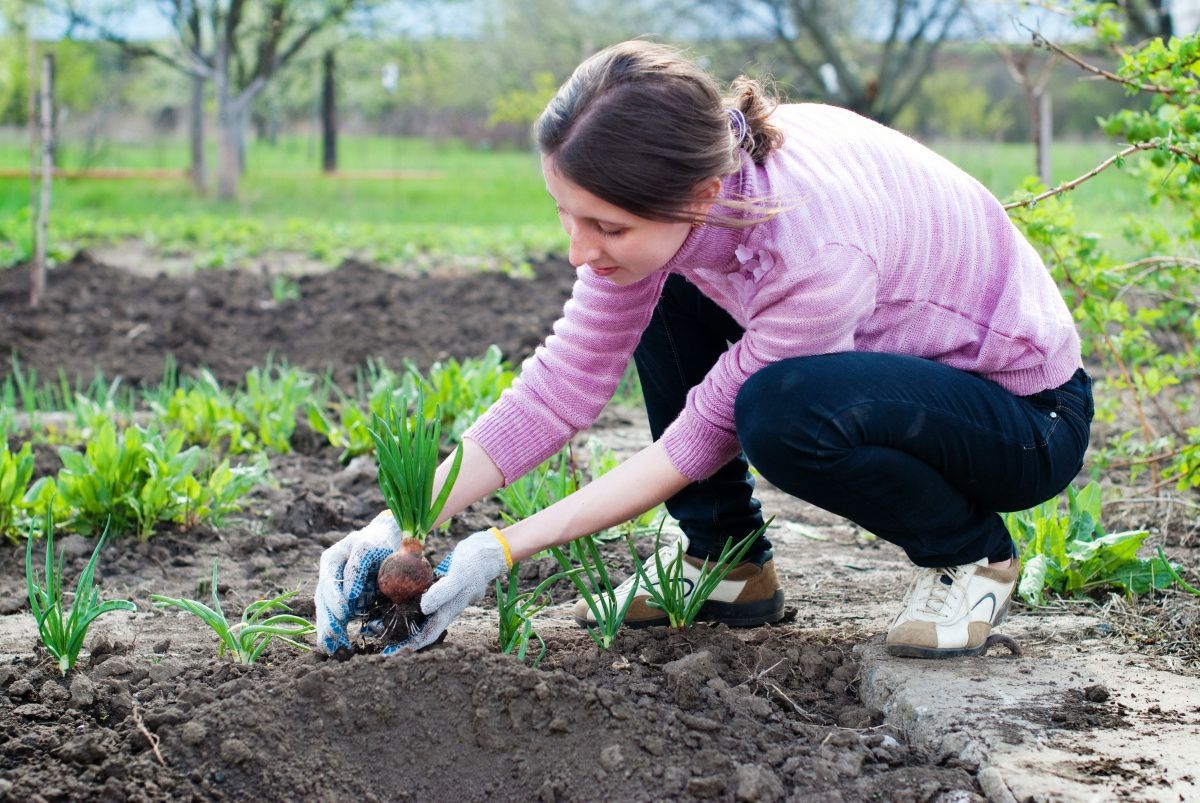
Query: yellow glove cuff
(499,536)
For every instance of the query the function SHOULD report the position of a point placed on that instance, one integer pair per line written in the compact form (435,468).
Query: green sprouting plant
(516,611)
(15,472)
(61,632)
(284,289)
(407,450)
(1071,554)
(463,390)
(270,402)
(679,597)
(206,414)
(246,640)
(591,579)
(219,491)
(350,432)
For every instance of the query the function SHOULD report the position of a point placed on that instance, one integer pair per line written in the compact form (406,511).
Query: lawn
(481,204)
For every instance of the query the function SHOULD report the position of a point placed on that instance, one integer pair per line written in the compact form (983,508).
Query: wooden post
(328,116)
(31,120)
(37,281)
(1045,135)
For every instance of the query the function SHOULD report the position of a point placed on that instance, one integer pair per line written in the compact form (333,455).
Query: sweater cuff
(696,448)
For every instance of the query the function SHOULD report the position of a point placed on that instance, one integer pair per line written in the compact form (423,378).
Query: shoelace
(930,594)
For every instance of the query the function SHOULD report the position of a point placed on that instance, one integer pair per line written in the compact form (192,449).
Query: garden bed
(711,713)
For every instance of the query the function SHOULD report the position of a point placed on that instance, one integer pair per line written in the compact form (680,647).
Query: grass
(486,205)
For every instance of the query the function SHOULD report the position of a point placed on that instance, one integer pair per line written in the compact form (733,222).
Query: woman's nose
(583,249)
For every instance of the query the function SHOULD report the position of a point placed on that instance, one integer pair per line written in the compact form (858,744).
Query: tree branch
(1067,186)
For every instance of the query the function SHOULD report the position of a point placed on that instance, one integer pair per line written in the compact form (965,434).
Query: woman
(799,287)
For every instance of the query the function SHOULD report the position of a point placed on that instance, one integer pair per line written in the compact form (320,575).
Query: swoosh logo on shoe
(689,585)
(986,597)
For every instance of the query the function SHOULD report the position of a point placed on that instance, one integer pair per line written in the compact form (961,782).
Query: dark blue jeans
(920,454)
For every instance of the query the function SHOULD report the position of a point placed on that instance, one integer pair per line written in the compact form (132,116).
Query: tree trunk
(37,278)
(199,170)
(228,171)
(329,116)
(31,123)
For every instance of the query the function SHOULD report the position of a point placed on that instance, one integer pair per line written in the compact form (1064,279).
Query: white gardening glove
(475,562)
(349,576)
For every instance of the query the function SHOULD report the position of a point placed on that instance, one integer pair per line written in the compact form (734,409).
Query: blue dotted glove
(469,569)
(349,578)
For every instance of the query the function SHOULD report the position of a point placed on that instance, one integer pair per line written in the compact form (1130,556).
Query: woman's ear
(706,194)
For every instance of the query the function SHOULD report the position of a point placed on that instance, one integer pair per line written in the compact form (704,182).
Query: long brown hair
(641,126)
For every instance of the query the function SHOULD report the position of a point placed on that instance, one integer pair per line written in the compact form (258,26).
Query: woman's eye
(611,232)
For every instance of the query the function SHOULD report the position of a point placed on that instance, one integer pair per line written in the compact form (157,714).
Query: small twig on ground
(152,738)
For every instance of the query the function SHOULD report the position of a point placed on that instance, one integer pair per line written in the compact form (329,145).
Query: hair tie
(737,122)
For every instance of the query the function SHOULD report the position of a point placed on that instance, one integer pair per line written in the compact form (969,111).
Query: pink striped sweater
(884,246)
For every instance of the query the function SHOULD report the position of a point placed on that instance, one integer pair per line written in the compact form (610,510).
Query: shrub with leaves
(1070,554)
(248,639)
(1137,315)
(62,632)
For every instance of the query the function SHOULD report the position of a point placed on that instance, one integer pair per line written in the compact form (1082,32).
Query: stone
(611,757)
(165,670)
(693,669)
(83,691)
(754,782)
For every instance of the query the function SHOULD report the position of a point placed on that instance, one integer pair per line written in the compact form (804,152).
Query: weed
(1072,555)
(61,633)
(246,640)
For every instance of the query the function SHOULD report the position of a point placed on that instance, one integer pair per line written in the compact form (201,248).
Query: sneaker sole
(746,614)
(913,651)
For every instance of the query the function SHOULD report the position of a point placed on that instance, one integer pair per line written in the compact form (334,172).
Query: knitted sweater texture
(883,246)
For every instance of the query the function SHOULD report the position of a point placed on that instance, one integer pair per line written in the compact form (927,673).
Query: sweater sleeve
(567,381)
(812,306)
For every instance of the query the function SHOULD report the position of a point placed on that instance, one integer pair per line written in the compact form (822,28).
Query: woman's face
(613,243)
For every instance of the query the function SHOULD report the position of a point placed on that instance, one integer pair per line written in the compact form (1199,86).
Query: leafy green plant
(246,640)
(516,611)
(1070,554)
(207,415)
(63,633)
(270,402)
(15,472)
(679,597)
(138,478)
(463,390)
(553,480)
(591,580)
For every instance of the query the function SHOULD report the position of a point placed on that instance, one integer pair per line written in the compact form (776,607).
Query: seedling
(63,634)
(246,640)
(407,451)
(516,612)
(597,589)
(15,472)
(679,597)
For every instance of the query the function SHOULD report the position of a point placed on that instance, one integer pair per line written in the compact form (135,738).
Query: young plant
(63,633)
(269,404)
(246,640)
(1072,555)
(591,579)
(516,611)
(679,597)
(15,472)
(407,451)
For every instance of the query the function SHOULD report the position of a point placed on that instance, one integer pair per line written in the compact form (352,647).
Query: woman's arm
(633,487)
(477,477)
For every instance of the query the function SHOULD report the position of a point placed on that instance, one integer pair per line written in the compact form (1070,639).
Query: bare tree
(867,56)
(237,45)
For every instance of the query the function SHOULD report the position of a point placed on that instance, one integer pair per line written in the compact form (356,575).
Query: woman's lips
(611,269)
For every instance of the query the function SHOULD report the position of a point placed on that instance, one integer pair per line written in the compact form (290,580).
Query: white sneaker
(950,612)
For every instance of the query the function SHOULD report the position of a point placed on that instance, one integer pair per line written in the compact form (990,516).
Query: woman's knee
(761,414)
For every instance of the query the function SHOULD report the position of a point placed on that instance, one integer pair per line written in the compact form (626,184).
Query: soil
(94,317)
(711,713)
